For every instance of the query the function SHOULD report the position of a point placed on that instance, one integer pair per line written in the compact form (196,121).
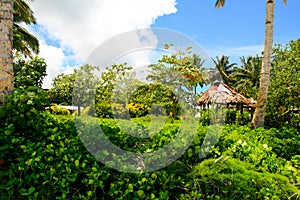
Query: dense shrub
(207,117)
(23,111)
(57,110)
(47,159)
(228,178)
(53,164)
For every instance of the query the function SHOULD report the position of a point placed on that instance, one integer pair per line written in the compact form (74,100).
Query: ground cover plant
(49,161)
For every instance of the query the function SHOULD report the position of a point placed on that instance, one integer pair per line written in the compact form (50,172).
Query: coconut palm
(6,60)
(225,69)
(259,115)
(14,36)
(247,76)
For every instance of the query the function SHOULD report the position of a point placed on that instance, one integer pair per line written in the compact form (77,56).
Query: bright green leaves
(140,193)
(283,99)
(130,187)
(27,192)
(29,73)
(76,163)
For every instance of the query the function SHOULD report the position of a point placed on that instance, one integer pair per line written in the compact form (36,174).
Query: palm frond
(23,13)
(220,3)
(24,42)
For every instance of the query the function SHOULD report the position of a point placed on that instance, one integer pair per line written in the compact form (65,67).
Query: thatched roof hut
(220,93)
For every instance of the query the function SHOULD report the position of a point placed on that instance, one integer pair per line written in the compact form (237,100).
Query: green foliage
(232,116)
(242,157)
(285,142)
(85,85)
(76,88)
(228,178)
(181,72)
(48,162)
(24,42)
(247,76)
(57,110)
(117,79)
(54,164)
(236,117)
(162,184)
(47,158)
(103,109)
(224,70)
(205,117)
(283,100)
(23,110)
(62,88)
(29,73)
(117,91)
(154,99)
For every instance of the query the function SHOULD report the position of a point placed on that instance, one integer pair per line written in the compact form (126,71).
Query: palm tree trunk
(6,58)
(259,114)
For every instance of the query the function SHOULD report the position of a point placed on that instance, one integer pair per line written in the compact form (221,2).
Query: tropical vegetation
(48,153)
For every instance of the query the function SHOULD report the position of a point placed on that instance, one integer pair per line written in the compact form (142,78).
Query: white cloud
(54,57)
(83,25)
(236,52)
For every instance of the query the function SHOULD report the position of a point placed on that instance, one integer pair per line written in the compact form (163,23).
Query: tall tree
(225,68)
(62,88)
(247,76)
(6,58)
(259,115)
(284,91)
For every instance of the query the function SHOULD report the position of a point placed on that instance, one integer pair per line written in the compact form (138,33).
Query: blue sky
(236,25)
(69,30)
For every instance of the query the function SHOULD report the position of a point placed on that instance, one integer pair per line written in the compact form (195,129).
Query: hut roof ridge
(223,93)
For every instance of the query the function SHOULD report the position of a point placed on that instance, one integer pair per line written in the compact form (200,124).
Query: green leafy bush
(228,178)
(48,159)
(53,164)
(205,117)
(57,110)
(29,73)
(23,111)
(232,117)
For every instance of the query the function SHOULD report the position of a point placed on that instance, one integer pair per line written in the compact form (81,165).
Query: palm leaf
(23,13)
(24,42)
(220,3)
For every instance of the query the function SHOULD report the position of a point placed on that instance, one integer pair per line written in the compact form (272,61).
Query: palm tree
(23,41)
(247,76)
(13,36)
(225,68)
(259,114)
(6,59)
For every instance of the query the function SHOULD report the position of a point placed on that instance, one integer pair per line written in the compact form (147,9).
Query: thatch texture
(221,93)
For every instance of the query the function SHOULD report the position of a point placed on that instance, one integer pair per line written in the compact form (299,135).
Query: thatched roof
(221,93)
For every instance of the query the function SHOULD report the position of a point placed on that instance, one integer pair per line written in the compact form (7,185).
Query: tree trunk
(6,58)
(259,114)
